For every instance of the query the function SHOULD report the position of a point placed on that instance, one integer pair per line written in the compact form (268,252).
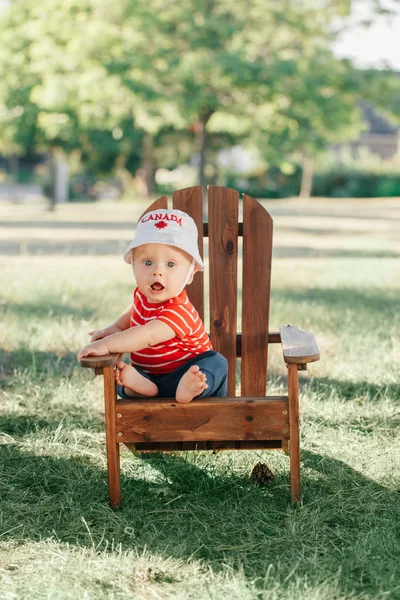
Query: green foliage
(335,183)
(113,74)
(338,183)
(357,184)
(381,88)
(358,174)
(57,92)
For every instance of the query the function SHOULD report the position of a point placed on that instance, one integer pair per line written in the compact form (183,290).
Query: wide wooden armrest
(299,347)
(99,362)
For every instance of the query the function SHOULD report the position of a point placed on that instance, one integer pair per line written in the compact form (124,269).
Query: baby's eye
(170,263)
(147,263)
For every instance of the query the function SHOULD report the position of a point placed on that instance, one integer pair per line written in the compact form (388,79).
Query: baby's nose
(157,272)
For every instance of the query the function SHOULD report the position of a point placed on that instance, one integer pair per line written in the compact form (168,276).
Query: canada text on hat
(161,217)
(172,227)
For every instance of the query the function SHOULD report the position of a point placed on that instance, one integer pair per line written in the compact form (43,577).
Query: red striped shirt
(179,313)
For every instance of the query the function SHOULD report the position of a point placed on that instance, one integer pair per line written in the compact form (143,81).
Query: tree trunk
(14,171)
(14,168)
(59,189)
(148,164)
(202,146)
(307,176)
(202,154)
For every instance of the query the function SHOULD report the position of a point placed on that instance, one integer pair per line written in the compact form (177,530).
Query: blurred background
(140,97)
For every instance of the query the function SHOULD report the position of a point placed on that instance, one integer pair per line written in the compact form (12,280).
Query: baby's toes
(203,385)
(118,371)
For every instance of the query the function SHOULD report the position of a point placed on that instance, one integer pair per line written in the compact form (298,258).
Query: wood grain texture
(190,200)
(114,480)
(294,444)
(274,337)
(256,288)
(99,362)
(207,419)
(299,347)
(159,204)
(223,254)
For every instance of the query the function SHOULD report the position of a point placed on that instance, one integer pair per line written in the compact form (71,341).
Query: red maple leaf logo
(161,225)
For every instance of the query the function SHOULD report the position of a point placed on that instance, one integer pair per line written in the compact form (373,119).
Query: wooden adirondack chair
(251,420)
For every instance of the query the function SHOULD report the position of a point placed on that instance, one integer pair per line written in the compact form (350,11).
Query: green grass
(192,525)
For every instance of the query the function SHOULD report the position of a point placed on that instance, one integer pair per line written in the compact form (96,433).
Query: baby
(171,354)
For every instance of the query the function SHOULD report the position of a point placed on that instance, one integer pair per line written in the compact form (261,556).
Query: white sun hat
(172,227)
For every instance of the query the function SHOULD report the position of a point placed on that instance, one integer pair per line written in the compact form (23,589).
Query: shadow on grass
(45,307)
(101,247)
(358,391)
(182,507)
(37,362)
(364,425)
(31,424)
(80,225)
(308,252)
(341,298)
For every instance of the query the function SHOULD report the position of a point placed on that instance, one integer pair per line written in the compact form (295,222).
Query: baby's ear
(196,268)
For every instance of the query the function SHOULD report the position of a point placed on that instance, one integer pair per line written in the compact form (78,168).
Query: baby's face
(160,270)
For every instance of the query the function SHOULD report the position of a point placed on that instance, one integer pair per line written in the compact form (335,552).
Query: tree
(244,67)
(316,107)
(56,94)
(114,79)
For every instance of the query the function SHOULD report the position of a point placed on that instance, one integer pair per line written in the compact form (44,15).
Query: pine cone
(261,474)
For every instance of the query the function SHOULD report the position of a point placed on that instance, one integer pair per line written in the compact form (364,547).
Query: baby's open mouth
(157,286)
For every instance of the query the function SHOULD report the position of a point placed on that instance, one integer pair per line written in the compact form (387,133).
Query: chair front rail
(206,419)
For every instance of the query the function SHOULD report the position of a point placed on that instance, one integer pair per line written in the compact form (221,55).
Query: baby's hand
(94,349)
(99,334)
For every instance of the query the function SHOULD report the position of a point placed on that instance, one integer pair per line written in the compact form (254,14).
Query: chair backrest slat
(159,204)
(223,230)
(190,200)
(257,253)
(223,257)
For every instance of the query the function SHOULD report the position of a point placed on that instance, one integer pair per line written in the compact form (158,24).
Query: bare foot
(134,383)
(192,384)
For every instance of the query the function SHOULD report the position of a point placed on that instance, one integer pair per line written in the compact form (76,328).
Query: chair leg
(114,479)
(294,446)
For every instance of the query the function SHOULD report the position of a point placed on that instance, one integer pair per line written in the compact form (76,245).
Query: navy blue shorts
(212,364)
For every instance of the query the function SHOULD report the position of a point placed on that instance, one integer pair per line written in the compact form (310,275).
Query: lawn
(192,525)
